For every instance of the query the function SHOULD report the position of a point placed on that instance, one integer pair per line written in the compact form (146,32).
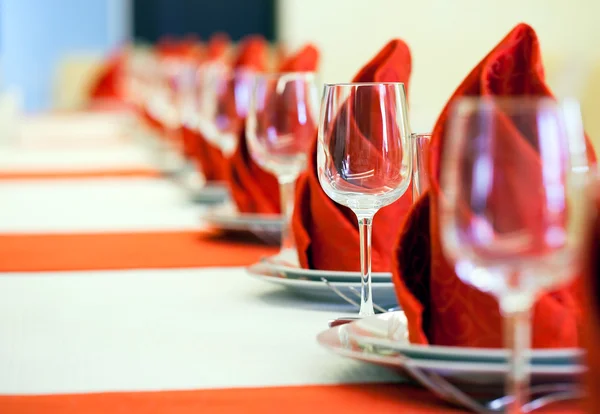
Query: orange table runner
(59,175)
(347,399)
(112,251)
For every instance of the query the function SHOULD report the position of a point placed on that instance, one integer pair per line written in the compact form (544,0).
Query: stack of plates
(211,193)
(226,217)
(311,283)
(383,340)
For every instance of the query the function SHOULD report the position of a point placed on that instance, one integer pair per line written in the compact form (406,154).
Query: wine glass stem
(365,225)
(517,337)
(287,187)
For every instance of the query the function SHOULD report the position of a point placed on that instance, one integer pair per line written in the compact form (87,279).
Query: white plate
(331,275)
(199,190)
(388,332)
(211,194)
(225,217)
(383,293)
(340,341)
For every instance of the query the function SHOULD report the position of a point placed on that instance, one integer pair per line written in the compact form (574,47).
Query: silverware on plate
(540,395)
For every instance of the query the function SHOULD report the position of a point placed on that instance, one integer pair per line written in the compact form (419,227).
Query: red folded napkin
(217,46)
(255,190)
(591,299)
(171,48)
(108,83)
(251,55)
(326,232)
(304,60)
(440,308)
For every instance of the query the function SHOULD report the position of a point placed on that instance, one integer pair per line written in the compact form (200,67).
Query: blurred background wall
(447,39)
(46,43)
(49,49)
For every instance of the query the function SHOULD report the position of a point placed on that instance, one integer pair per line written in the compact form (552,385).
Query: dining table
(116,297)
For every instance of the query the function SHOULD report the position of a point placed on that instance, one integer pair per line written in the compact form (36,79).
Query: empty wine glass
(169,115)
(280,128)
(225,101)
(511,211)
(156,90)
(185,86)
(182,85)
(364,157)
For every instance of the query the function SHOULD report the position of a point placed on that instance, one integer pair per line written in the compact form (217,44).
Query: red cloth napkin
(440,308)
(217,46)
(171,48)
(252,55)
(326,232)
(108,84)
(591,300)
(255,190)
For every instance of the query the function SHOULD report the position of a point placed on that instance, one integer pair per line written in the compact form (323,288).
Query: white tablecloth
(73,332)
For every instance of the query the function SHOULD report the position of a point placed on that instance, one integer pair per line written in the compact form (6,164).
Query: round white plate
(225,217)
(211,194)
(198,189)
(383,293)
(331,275)
(340,341)
(388,332)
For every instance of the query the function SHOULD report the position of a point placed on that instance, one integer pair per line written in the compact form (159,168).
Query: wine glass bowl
(184,85)
(282,123)
(514,172)
(363,161)
(225,102)
(505,202)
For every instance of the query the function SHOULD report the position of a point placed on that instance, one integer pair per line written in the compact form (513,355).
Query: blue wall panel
(35,34)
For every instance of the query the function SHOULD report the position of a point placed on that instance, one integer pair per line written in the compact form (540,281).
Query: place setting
(280,132)
(231,96)
(227,94)
(492,217)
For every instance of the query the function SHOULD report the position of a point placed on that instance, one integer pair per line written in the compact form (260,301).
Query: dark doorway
(153,19)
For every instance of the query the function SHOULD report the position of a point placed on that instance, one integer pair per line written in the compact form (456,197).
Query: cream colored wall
(447,38)
(72,80)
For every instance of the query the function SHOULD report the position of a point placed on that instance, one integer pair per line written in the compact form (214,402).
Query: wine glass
(169,115)
(511,207)
(225,100)
(280,129)
(185,86)
(364,158)
(181,82)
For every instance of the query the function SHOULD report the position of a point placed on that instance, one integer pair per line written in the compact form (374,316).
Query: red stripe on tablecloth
(110,251)
(332,399)
(346,399)
(58,175)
